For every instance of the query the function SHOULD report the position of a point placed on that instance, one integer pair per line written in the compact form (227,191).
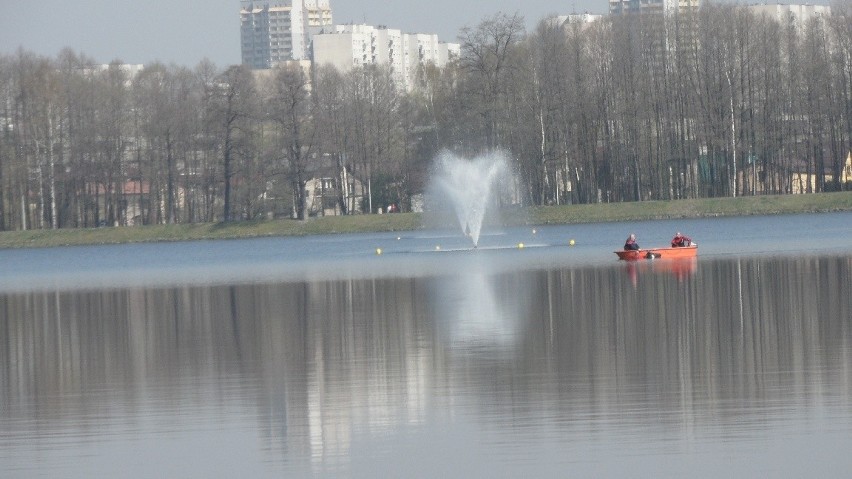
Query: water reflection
(586,368)
(681,268)
(480,308)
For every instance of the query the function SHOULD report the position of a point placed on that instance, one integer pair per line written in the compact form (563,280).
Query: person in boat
(631,243)
(680,240)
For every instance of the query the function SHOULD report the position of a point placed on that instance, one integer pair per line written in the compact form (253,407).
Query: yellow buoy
(378,251)
(571,242)
(520,245)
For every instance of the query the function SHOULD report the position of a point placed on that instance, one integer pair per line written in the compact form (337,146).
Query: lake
(414,355)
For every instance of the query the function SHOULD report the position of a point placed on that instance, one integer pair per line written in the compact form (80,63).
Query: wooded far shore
(540,215)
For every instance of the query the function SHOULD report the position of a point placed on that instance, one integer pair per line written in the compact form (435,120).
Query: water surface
(316,357)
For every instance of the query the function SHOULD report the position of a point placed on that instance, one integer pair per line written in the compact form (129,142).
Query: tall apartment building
(273,31)
(348,46)
(669,39)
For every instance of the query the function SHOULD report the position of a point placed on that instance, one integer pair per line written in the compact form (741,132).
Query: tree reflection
(321,364)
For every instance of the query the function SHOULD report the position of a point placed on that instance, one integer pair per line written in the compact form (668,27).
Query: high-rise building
(274,31)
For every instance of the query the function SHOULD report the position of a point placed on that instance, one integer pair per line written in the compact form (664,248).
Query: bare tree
(7,150)
(486,55)
(818,99)
(38,111)
(291,110)
(204,169)
(166,109)
(840,24)
(331,113)
(374,118)
(234,107)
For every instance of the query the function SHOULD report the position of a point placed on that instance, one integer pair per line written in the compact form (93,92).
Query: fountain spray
(469,185)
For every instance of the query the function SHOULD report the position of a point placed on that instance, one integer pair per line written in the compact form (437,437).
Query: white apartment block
(275,31)
(623,7)
(797,14)
(349,46)
(345,46)
(574,19)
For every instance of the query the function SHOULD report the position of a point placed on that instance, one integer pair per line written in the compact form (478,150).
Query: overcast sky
(186,31)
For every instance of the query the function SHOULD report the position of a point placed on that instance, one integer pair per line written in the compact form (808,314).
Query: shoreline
(532,216)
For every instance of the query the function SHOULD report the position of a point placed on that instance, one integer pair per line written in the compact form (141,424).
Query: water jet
(469,185)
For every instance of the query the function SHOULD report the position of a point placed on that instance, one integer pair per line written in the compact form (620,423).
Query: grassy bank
(636,211)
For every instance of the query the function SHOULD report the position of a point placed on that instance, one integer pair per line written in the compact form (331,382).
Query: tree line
(707,103)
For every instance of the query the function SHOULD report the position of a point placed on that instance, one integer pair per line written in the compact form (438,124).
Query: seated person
(680,240)
(631,243)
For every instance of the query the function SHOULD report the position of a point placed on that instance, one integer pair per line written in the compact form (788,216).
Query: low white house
(333,192)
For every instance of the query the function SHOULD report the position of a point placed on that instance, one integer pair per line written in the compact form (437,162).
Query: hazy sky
(186,31)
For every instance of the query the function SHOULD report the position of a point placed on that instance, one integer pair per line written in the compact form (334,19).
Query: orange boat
(663,253)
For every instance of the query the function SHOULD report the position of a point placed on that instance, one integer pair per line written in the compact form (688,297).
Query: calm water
(316,357)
